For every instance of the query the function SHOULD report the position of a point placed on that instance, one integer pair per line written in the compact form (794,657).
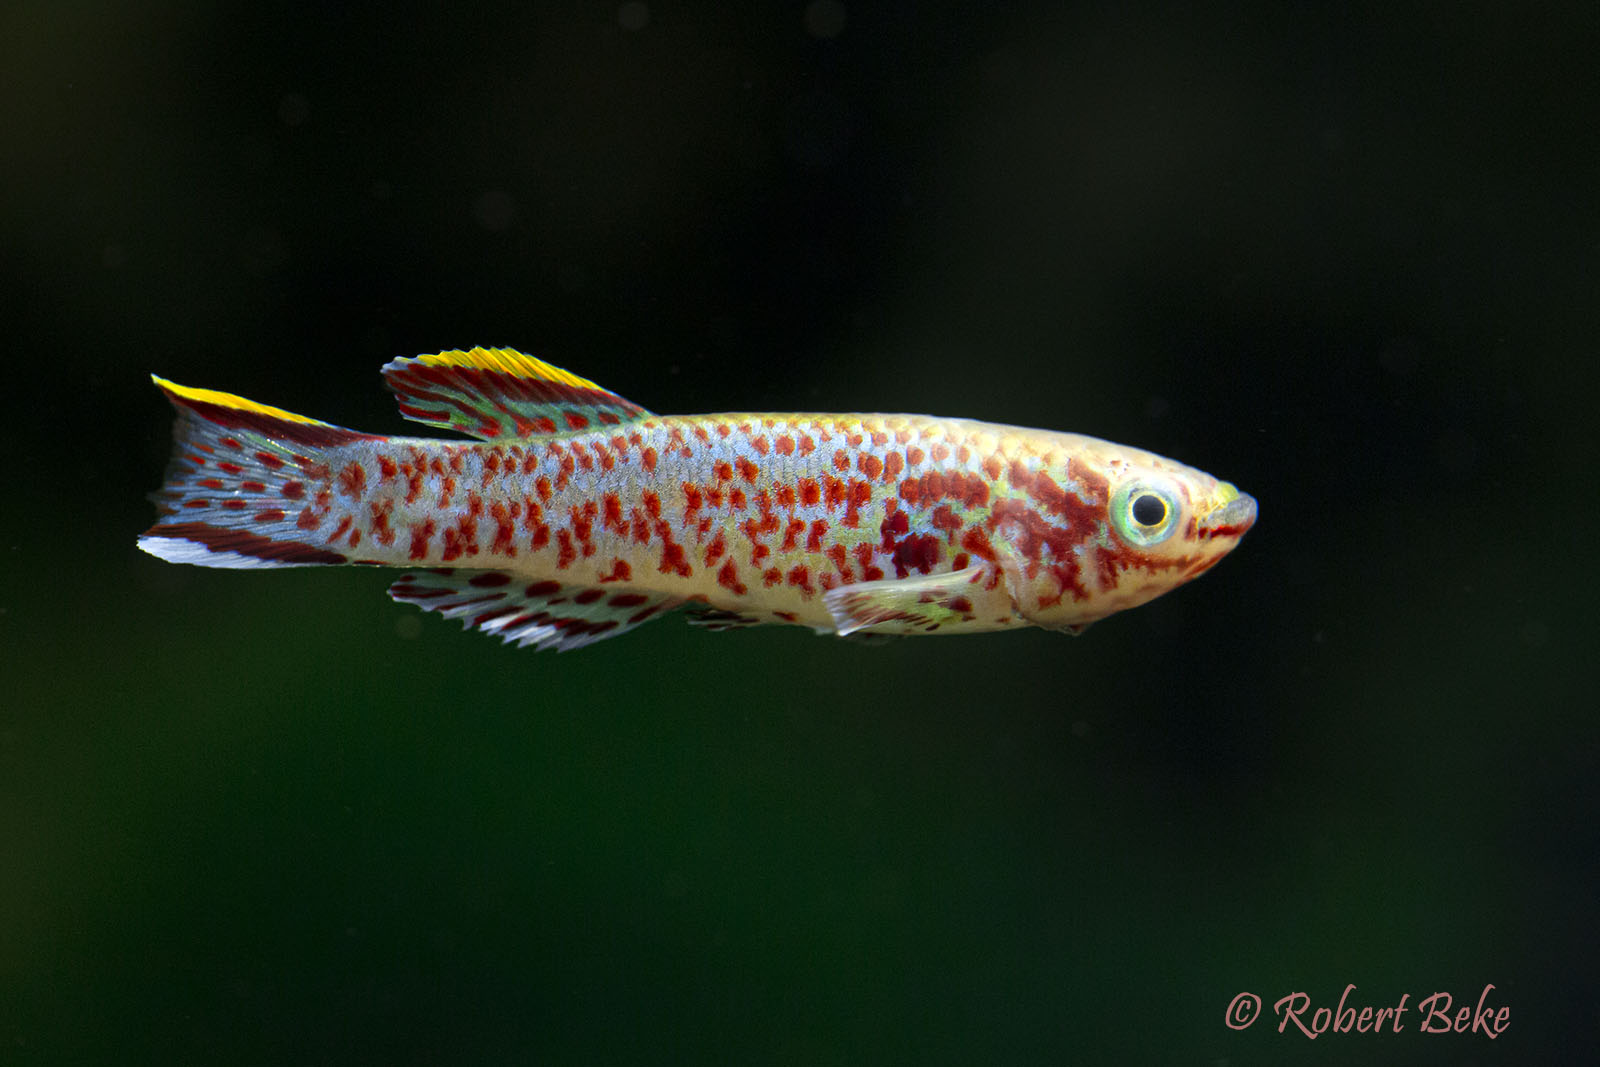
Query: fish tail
(242,485)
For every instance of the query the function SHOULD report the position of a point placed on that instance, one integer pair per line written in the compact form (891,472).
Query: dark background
(1344,255)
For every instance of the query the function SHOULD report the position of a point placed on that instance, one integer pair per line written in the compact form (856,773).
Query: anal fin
(922,604)
(544,614)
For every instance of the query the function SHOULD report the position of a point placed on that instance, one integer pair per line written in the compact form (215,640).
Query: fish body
(577,515)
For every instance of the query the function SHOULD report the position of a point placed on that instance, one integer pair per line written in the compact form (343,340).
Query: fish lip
(1232,518)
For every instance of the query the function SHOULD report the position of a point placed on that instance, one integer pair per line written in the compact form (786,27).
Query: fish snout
(1234,514)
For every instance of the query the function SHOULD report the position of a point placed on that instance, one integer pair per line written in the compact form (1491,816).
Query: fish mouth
(1234,514)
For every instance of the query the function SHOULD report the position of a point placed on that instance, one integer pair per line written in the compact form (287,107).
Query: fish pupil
(1148,509)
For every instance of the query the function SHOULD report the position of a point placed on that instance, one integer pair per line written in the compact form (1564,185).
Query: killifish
(576,515)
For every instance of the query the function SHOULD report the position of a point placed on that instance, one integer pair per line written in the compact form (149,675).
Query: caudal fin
(242,479)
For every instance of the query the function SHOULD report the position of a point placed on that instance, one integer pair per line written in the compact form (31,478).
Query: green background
(1344,255)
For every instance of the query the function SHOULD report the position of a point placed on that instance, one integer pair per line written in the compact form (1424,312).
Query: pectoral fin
(920,604)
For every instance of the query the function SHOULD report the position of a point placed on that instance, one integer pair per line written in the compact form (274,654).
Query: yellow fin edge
(508,361)
(228,400)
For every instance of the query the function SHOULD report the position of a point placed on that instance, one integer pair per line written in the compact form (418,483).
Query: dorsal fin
(499,392)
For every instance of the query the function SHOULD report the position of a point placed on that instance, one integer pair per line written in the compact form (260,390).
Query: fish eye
(1145,514)
(1148,509)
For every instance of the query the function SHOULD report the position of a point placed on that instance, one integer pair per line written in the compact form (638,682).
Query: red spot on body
(807,445)
(809,493)
(386,468)
(784,444)
(771,577)
(977,542)
(870,465)
(620,572)
(814,542)
(945,519)
(792,531)
(834,491)
(800,577)
(748,470)
(649,460)
(841,462)
(860,496)
(723,470)
(736,499)
(892,465)
(895,526)
(715,550)
(381,532)
(865,559)
(919,552)
(565,552)
(421,533)
(504,516)
(352,480)
(583,525)
(673,560)
(759,443)
(940,452)
(307,520)
(611,517)
(913,456)
(728,577)
(542,487)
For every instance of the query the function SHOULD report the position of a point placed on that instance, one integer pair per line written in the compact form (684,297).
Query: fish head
(1130,526)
